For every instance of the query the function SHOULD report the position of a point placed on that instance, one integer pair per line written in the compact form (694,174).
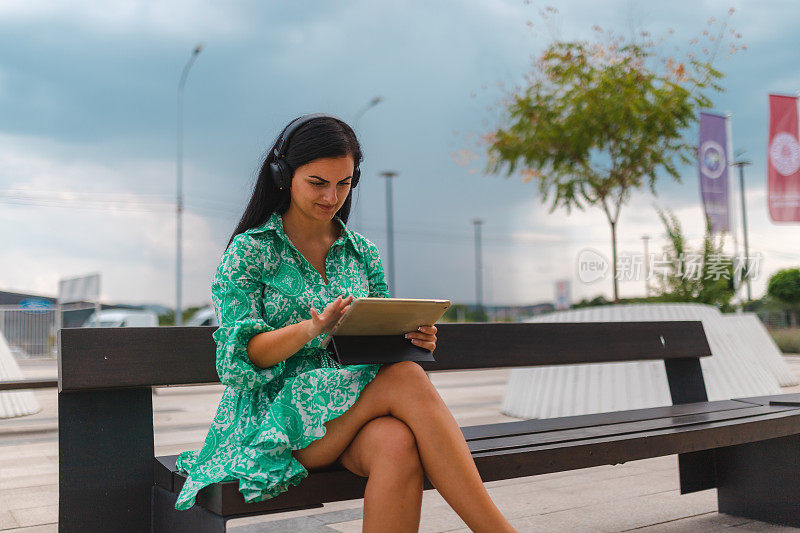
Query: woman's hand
(320,323)
(425,337)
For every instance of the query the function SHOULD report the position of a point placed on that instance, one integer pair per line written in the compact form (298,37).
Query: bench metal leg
(686,385)
(167,519)
(761,480)
(105,460)
(697,471)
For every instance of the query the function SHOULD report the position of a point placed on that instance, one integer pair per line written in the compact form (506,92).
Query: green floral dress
(264,283)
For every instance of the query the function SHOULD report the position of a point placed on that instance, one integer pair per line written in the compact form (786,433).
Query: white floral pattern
(264,283)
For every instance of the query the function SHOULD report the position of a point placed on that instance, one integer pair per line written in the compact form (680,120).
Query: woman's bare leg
(385,451)
(404,391)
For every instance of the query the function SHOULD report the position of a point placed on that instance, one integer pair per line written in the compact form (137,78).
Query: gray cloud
(88,90)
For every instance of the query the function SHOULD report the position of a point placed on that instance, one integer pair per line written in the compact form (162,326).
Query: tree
(597,118)
(701,276)
(784,286)
(168,319)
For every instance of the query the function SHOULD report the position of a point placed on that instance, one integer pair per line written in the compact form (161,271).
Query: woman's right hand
(320,323)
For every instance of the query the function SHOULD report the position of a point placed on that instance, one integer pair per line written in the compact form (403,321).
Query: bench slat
(541,438)
(612,447)
(21,384)
(764,400)
(513,344)
(105,358)
(523,427)
(517,462)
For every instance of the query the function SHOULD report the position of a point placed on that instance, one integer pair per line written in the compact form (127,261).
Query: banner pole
(731,208)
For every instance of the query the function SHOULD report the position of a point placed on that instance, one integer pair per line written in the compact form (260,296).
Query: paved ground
(639,495)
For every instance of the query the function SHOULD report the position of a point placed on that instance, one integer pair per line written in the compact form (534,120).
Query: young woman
(288,407)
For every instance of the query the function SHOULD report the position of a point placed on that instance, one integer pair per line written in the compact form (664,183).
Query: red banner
(783,160)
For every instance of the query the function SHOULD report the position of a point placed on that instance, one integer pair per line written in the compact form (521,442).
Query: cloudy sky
(88,106)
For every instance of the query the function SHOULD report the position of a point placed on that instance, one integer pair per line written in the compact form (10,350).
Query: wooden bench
(109,478)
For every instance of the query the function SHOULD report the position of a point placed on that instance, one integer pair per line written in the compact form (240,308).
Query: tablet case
(375,349)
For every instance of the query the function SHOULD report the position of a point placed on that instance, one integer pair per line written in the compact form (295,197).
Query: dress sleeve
(236,293)
(376,277)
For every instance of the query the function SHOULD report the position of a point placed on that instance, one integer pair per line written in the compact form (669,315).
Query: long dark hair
(319,137)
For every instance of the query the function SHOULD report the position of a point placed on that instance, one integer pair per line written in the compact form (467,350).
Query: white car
(203,317)
(120,318)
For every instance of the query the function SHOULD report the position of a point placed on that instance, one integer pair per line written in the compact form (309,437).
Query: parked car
(120,318)
(203,317)
(19,353)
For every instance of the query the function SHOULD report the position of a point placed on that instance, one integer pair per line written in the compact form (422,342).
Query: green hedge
(788,340)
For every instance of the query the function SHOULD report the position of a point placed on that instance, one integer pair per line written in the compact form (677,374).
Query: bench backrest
(109,358)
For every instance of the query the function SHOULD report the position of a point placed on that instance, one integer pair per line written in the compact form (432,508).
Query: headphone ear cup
(280,174)
(274,174)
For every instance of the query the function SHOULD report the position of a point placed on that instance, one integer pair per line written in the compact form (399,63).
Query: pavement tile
(28,481)
(316,522)
(27,497)
(621,514)
(763,526)
(44,528)
(32,516)
(7,520)
(27,468)
(292,525)
(328,509)
(48,449)
(710,522)
(578,477)
(354,526)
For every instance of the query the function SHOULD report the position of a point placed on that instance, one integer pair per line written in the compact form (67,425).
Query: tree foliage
(701,276)
(784,286)
(597,119)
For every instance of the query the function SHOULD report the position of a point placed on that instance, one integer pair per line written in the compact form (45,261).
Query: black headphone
(280,171)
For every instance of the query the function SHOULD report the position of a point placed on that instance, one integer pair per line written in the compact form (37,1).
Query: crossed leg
(385,451)
(404,392)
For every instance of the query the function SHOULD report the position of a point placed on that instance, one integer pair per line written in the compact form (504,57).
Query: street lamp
(646,238)
(478,268)
(179,200)
(372,103)
(389,174)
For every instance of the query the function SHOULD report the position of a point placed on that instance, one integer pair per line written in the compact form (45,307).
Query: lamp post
(389,174)
(646,238)
(179,200)
(741,164)
(372,103)
(478,268)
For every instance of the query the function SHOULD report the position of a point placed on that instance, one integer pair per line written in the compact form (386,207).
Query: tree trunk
(614,259)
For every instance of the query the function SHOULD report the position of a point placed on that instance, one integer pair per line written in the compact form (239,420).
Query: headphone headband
(293,126)
(280,171)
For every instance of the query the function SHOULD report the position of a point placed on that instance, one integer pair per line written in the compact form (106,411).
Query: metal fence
(777,319)
(30,332)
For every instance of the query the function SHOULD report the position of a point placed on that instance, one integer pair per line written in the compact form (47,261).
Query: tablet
(387,316)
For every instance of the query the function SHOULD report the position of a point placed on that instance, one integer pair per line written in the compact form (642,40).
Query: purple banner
(713,166)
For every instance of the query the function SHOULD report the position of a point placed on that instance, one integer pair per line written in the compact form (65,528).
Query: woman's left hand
(425,337)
